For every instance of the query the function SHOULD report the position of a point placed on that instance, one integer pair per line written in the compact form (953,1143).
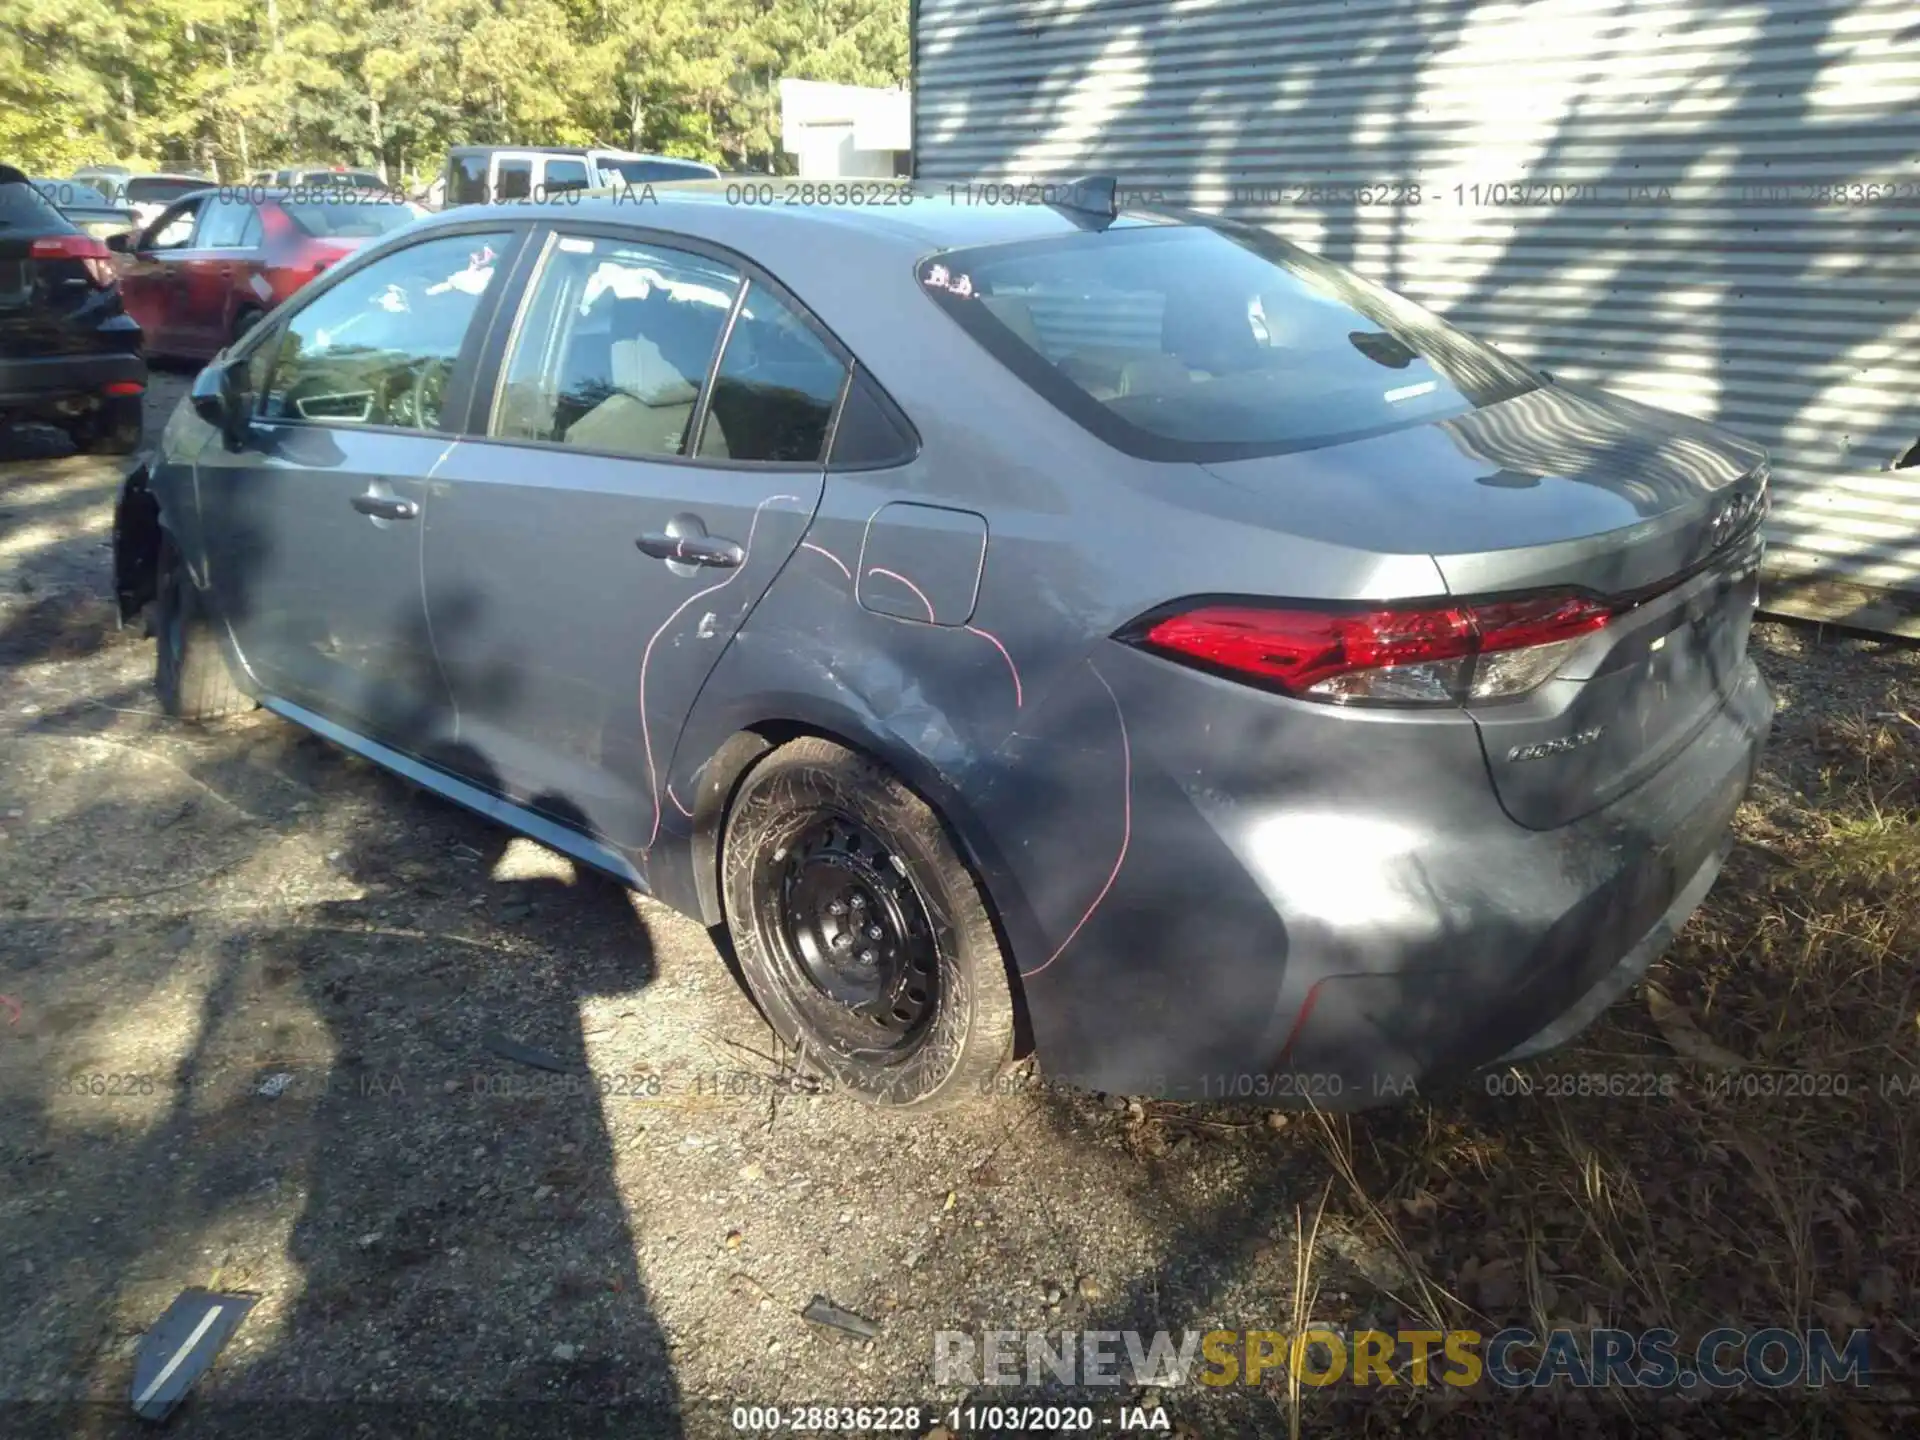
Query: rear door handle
(713,550)
(386,507)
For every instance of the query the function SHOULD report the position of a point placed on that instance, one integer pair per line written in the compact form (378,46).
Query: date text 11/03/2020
(960,1419)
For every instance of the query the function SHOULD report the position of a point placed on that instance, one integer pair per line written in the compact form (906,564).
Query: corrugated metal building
(1713,207)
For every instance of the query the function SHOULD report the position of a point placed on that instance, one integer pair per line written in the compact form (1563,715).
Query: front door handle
(386,507)
(713,550)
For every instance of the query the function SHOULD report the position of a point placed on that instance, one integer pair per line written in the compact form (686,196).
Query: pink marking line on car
(1126,826)
(821,550)
(891,575)
(646,658)
(676,801)
(1012,668)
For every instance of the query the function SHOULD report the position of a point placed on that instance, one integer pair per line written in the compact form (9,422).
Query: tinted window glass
(469,180)
(868,435)
(154,190)
(1190,341)
(774,396)
(250,236)
(565,175)
(614,347)
(639,172)
(224,225)
(379,347)
(24,208)
(174,229)
(349,219)
(515,180)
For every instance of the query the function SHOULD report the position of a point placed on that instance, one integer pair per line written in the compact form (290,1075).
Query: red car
(215,261)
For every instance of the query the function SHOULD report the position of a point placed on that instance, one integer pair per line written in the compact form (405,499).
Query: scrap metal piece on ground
(181,1347)
(507,1048)
(822,1311)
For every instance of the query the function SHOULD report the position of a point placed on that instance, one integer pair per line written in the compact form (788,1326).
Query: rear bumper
(44,382)
(1324,912)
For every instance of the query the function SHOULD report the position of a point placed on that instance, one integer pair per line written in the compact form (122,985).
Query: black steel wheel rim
(853,935)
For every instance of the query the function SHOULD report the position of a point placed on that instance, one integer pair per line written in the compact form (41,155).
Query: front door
(588,561)
(313,521)
(152,280)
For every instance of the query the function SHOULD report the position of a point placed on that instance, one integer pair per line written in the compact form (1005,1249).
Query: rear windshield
(23,207)
(640,172)
(1197,342)
(156,190)
(349,219)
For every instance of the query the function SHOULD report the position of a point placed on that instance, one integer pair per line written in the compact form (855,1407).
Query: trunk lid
(1565,489)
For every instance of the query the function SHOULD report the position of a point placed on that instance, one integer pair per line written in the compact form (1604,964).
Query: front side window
(1199,342)
(774,394)
(174,229)
(469,180)
(380,347)
(614,347)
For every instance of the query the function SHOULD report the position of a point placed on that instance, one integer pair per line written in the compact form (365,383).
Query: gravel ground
(263,990)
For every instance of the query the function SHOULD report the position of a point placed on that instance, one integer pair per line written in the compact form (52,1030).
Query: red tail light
(1428,655)
(84,248)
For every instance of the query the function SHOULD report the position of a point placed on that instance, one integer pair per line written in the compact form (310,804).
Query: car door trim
(514,816)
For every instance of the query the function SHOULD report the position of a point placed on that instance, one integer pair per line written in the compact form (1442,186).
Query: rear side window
(156,190)
(379,347)
(22,207)
(348,219)
(614,347)
(225,225)
(515,180)
(640,172)
(469,185)
(1197,342)
(778,382)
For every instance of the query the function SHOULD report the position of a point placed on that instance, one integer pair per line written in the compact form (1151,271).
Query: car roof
(933,217)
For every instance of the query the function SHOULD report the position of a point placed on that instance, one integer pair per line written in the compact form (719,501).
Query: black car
(70,355)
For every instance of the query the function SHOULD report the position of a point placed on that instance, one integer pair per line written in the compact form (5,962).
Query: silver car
(1117,636)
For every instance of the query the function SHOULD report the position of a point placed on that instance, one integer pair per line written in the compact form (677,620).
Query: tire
(113,429)
(190,671)
(919,1019)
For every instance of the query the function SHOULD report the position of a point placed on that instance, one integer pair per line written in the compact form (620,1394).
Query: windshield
(350,219)
(1205,342)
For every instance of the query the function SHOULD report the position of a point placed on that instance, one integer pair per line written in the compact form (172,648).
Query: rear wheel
(113,429)
(190,670)
(860,931)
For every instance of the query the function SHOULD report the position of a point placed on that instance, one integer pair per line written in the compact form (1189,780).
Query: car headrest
(640,370)
(1014,313)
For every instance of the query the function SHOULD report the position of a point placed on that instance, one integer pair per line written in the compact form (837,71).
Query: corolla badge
(1561,746)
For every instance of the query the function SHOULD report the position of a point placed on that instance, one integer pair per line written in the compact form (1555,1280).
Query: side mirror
(219,400)
(121,243)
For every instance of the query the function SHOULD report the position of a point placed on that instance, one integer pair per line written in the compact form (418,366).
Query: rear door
(312,521)
(591,551)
